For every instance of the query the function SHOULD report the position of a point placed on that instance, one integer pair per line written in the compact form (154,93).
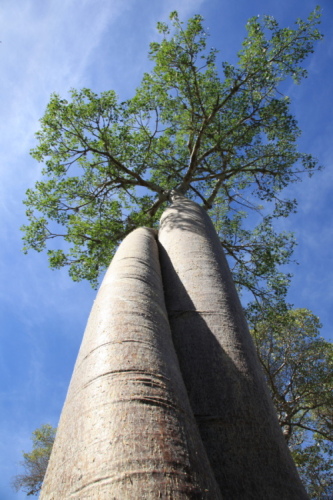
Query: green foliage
(315,465)
(255,254)
(298,365)
(35,462)
(220,138)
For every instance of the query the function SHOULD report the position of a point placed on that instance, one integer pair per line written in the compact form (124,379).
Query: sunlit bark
(226,388)
(127,431)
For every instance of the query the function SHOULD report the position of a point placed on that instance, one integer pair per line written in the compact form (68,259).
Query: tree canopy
(298,366)
(35,462)
(221,134)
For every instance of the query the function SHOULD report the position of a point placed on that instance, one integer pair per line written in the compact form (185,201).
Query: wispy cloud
(46,47)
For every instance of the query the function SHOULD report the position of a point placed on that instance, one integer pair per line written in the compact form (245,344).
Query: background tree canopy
(224,136)
(35,462)
(298,366)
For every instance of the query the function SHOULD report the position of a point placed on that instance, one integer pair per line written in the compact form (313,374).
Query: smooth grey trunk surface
(127,431)
(226,388)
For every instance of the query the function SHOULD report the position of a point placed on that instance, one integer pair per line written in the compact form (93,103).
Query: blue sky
(51,46)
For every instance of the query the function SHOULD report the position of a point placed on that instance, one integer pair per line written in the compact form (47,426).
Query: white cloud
(45,49)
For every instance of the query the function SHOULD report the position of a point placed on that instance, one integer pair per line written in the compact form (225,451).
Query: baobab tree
(110,167)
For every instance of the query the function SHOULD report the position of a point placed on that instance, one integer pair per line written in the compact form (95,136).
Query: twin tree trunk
(127,430)
(146,408)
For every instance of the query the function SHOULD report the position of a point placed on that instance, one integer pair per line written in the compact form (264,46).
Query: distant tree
(35,462)
(298,365)
(315,465)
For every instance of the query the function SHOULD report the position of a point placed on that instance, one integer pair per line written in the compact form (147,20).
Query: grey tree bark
(127,430)
(226,388)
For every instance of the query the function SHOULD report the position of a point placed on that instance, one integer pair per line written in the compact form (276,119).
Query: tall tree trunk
(127,430)
(227,391)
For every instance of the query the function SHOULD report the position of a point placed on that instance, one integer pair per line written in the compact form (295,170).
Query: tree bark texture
(127,431)
(226,388)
